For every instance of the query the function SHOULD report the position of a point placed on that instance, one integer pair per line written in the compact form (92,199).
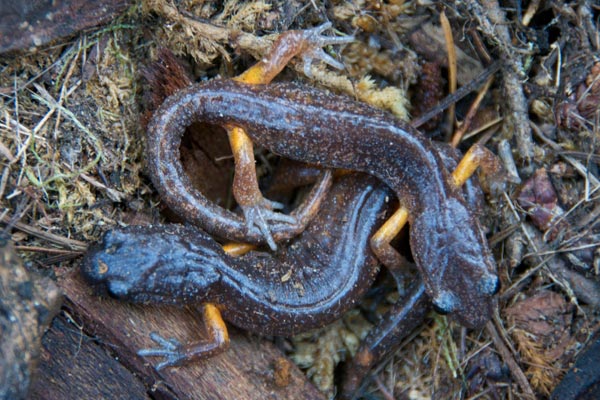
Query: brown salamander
(261,224)
(328,130)
(319,275)
(328,267)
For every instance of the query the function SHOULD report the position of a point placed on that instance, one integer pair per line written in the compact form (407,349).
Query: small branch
(516,371)
(492,22)
(61,241)
(466,124)
(451,50)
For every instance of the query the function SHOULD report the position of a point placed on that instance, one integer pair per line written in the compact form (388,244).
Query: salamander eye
(497,287)
(439,309)
(445,302)
(102,267)
(490,285)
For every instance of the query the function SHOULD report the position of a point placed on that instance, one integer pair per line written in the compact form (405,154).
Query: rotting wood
(75,367)
(27,304)
(29,24)
(246,370)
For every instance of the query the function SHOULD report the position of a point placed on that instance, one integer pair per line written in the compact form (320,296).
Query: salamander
(261,223)
(319,275)
(305,285)
(328,130)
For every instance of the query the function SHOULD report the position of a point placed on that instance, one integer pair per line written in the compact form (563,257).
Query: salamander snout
(466,291)
(469,301)
(94,270)
(108,266)
(456,264)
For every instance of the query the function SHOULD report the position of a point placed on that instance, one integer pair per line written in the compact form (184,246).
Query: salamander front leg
(175,353)
(470,282)
(480,157)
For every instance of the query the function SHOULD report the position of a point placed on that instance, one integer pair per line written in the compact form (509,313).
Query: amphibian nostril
(118,289)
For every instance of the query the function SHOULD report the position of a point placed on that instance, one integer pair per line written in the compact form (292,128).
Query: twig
(38,249)
(113,194)
(384,391)
(586,16)
(61,241)
(508,358)
(505,154)
(493,24)
(459,94)
(574,284)
(585,173)
(459,133)
(4,150)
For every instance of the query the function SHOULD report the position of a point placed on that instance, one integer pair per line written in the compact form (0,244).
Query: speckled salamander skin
(319,275)
(192,205)
(315,127)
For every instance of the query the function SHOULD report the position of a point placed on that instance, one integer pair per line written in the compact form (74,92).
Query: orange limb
(258,210)
(174,353)
(238,249)
(476,156)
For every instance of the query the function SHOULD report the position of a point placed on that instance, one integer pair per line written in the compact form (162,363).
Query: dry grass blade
(452,82)
(57,240)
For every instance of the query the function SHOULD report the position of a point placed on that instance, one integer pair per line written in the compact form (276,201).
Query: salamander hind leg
(314,47)
(383,250)
(307,44)
(175,353)
(385,338)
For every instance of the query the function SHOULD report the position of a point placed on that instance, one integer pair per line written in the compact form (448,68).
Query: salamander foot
(315,43)
(175,353)
(257,216)
(170,350)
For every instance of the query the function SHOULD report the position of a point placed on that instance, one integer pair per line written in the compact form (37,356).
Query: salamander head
(459,272)
(160,264)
